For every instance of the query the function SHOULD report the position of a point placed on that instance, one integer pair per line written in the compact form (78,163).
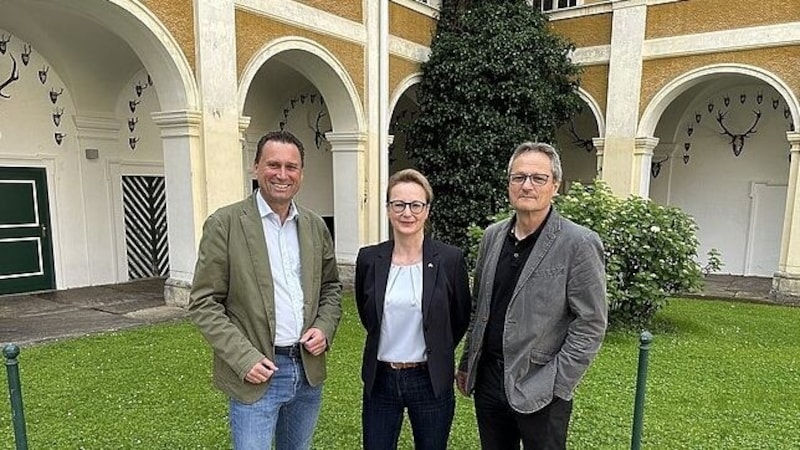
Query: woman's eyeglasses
(398,206)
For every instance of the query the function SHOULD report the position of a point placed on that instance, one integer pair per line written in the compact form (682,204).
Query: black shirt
(512,259)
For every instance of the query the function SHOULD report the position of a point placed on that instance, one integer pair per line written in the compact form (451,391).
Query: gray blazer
(556,318)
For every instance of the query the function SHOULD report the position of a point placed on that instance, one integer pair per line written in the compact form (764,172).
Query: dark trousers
(397,390)
(502,428)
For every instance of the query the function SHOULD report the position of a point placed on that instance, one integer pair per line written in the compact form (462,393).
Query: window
(553,5)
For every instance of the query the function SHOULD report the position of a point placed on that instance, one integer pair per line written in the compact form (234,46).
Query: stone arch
(594,107)
(320,67)
(160,53)
(402,87)
(664,97)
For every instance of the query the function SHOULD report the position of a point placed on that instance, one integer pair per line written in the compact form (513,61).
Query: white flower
(655,229)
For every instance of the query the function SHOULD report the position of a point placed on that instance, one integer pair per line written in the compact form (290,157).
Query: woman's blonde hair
(410,176)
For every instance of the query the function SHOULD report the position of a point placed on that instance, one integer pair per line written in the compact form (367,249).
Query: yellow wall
(349,9)
(594,80)
(399,69)
(254,31)
(411,25)
(782,61)
(585,31)
(699,16)
(178,17)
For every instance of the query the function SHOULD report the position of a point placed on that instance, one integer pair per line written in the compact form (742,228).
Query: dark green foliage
(650,249)
(496,77)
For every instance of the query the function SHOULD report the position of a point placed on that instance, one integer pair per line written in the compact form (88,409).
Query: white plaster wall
(715,186)
(26,139)
(146,158)
(84,195)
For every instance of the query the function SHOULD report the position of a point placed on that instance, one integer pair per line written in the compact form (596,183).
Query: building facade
(124,123)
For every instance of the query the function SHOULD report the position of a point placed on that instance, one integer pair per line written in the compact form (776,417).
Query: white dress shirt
(284,261)
(402,339)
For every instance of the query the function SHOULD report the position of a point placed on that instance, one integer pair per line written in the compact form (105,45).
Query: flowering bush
(650,249)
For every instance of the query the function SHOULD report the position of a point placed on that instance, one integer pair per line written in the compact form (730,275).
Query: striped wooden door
(145,205)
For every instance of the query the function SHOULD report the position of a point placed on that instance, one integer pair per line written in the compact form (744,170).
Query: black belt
(405,365)
(292,351)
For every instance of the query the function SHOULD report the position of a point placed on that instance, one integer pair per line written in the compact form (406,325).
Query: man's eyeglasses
(398,206)
(537,179)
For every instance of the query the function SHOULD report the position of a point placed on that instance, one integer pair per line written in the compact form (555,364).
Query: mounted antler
(4,40)
(585,144)
(737,140)
(26,53)
(14,76)
(655,166)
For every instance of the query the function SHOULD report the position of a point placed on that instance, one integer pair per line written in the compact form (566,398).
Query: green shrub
(650,249)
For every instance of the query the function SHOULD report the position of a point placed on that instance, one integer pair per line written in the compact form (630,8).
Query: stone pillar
(786,282)
(247,162)
(599,146)
(215,31)
(642,158)
(184,171)
(624,89)
(349,193)
(377,24)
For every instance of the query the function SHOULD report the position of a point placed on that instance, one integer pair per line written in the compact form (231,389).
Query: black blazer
(446,306)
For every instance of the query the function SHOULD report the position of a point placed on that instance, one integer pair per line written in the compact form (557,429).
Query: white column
(184,171)
(349,194)
(642,157)
(215,37)
(786,282)
(247,162)
(599,146)
(624,91)
(104,252)
(377,24)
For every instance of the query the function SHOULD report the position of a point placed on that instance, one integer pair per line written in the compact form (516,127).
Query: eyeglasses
(398,206)
(537,179)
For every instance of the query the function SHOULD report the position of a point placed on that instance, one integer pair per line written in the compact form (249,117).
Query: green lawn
(721,376)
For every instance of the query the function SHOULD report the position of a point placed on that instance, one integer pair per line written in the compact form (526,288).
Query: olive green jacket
(232,300)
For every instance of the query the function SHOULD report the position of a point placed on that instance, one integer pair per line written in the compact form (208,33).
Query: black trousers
(502,428)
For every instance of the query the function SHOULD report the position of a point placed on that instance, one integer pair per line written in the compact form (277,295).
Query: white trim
(408,50)
(588,56)
(785,34)
(46,161)
(428,7)
(304,16)
(402,87)
(41,261)
(594,107)
(161,54)
(34,196)
(115,170)
(286,43)
(97,127)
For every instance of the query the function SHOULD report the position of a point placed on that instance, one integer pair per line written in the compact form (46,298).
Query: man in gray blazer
(539,312)
(266,295)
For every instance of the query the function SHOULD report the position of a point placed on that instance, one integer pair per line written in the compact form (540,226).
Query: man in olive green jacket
(266,295)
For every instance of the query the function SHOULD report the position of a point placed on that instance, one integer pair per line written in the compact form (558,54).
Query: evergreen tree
(497,77)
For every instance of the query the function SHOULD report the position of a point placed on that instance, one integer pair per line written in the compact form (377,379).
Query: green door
(26,252)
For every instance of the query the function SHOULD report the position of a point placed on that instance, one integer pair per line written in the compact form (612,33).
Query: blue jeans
(286,414)
(396,390)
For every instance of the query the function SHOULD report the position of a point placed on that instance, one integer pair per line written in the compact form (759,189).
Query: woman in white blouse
(413,299)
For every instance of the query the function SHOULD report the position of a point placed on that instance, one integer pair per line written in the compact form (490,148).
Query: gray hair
(539,147)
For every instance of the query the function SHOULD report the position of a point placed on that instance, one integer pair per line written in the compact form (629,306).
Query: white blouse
(402,339)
